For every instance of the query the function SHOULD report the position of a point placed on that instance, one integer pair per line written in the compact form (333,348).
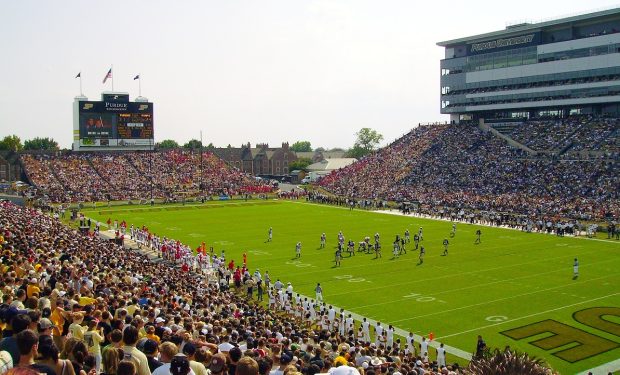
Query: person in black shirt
(150,350)
(480,347)
(478,234)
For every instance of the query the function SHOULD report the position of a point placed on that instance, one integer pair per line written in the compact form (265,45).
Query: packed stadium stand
(80,177)
(466,166)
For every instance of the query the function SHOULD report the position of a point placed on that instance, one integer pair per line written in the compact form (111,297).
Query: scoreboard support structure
(115,123)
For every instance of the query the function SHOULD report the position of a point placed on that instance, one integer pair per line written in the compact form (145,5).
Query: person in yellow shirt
(93,338)
(85,301)
(32,288)
(58,317)
(150,334)
(76,328)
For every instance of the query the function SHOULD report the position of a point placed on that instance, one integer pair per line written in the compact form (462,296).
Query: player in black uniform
(416,240)
(445,246)
(478,234)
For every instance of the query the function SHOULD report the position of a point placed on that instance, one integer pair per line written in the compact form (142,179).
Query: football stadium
(485,244)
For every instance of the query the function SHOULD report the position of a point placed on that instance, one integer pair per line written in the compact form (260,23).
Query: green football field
(515,289)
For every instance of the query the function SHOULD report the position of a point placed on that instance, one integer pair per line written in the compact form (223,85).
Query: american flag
(109,75)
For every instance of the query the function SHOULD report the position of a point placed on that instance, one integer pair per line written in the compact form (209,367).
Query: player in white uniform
(298,250)
(390,336)
(323,238)
(424,346)
(453,233)
(378,333)
(270,237)
(420,234)
(441,356)
(366,330)
(410,344)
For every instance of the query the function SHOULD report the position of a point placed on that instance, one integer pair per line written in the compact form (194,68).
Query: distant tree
(299,164)
(39,143)
(193,144)
(210,146)
(11,143)
(301,146)
(335,149)
(167,143)
(320,149)
(366,142)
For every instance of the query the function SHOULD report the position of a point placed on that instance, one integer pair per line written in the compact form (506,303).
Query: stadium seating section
(79,177)
(466,166)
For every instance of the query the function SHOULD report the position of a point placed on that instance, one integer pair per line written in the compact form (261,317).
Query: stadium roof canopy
(520,28)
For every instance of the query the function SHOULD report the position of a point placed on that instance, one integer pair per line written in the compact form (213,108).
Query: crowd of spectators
(78,304)
(80,177)
(546,135)
(375,174)
(462,166)
(601,135)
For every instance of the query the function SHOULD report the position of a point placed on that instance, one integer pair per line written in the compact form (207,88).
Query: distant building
(326,166)
(263,160)
(568,66)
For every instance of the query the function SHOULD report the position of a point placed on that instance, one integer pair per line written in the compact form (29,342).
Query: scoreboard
(113,122)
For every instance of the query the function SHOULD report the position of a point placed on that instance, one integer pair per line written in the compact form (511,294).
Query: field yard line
(398,213)
(454,274)
(401,332)
(491,283)
(606,368)
(495,300)
(529,316)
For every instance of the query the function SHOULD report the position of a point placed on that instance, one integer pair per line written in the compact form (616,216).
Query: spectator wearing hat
(218,364)
(45,327)
(150,349)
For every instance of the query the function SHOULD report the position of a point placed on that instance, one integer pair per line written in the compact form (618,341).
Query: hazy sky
(243,70)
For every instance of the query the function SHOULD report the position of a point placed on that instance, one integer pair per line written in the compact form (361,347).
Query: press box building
(548,69)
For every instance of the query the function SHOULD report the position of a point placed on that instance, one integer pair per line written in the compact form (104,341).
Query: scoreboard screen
(135,126)
(114,120)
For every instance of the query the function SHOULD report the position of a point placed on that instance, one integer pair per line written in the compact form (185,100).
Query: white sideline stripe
(401,332)
(604,369)
(530,315)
